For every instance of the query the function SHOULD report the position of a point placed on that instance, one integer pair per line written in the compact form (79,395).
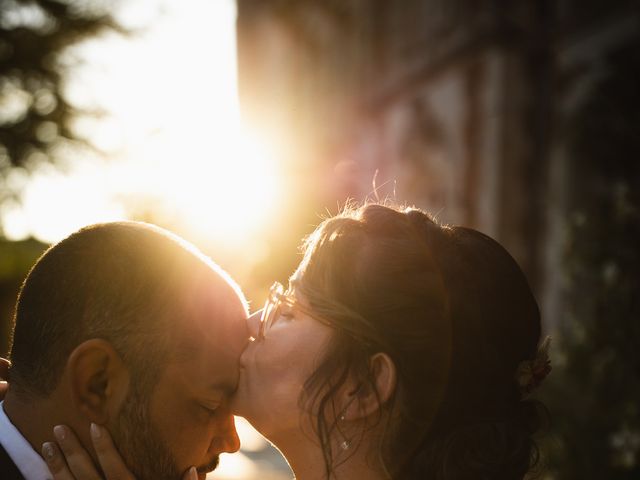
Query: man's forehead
(208,362)
(201,377)
(214,302)
(211,334)
(217,325)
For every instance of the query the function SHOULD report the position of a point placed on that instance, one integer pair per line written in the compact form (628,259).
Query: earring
(346,443)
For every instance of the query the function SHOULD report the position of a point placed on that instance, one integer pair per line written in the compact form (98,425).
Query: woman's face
(273,371)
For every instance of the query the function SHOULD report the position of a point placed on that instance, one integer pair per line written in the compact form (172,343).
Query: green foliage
(35,115)
(16,258)
(594,396)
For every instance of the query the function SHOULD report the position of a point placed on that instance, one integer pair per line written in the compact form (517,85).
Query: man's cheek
(190,446)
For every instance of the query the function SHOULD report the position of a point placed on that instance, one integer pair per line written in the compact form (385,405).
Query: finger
(112,464)
(4,375)
(77,458)
(55,461)
(4,368)
(191,474)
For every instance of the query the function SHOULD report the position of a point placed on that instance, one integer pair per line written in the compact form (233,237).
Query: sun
(226,193)
(177,150)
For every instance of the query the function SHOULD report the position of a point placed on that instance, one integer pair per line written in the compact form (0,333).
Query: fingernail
(47,451)
(59,432)
(193,473)
(96,431)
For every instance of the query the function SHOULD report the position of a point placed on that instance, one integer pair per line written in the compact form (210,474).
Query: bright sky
(177,151)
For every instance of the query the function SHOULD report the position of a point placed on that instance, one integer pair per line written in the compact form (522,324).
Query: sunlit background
(170,135)
(169,148)
(238,124)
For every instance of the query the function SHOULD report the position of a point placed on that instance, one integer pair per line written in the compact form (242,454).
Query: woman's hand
(68,460)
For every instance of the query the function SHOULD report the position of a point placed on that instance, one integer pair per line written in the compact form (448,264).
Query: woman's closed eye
(284,316)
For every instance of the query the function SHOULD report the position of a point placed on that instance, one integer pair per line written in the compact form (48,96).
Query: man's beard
(139,442)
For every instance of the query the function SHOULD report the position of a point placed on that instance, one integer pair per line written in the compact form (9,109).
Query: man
(126,326)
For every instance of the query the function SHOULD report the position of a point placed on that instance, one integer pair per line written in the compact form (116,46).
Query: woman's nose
(253,322)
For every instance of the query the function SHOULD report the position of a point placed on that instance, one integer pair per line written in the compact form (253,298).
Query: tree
(35,114)
(595,390)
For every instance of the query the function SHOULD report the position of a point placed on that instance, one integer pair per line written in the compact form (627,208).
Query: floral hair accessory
(531,373)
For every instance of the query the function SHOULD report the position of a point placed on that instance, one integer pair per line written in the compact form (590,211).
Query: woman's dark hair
(456,315)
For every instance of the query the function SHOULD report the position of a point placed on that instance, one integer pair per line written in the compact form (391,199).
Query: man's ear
(99,380)
(368,398)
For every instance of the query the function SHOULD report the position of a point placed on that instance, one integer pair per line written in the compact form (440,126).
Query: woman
(402,349)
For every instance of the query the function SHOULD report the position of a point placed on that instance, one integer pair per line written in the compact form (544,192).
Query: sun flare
(176,150)
(226,194)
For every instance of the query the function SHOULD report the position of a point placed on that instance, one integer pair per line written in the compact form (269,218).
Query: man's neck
(34,418)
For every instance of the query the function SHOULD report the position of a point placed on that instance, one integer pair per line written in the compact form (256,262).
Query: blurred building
(520,118)
(460,107)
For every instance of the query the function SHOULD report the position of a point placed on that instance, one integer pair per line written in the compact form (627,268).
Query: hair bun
(425,226)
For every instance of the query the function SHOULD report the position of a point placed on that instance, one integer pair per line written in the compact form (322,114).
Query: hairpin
(531,373)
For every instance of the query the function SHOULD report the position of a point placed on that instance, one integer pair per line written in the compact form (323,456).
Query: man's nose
(227,439)
(253,323)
